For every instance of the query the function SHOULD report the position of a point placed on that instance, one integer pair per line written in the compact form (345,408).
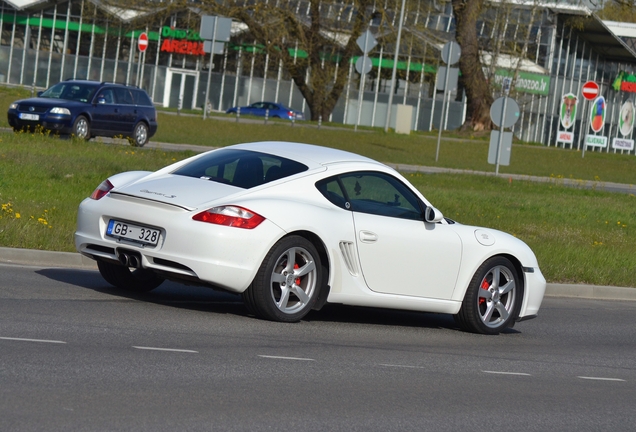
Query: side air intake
(348,251)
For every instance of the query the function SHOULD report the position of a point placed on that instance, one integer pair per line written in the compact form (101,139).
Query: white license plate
(135,233)
(25,116)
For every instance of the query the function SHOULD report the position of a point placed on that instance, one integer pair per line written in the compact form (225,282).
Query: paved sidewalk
(40,258)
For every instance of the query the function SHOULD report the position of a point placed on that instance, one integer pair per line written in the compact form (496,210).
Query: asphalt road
(76,355)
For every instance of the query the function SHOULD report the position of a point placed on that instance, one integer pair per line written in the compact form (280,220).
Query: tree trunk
(478,92)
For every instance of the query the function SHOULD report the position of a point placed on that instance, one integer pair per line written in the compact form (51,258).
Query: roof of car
(305,153)
(80,81)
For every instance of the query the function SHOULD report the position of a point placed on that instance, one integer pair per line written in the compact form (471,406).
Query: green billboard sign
(526,82)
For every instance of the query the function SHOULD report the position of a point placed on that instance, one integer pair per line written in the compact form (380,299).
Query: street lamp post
(393,74)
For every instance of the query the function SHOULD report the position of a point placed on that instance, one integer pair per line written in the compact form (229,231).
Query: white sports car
(292,226)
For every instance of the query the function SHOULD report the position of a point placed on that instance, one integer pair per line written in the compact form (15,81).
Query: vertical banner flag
(568,110)
(597,115)
(626,120)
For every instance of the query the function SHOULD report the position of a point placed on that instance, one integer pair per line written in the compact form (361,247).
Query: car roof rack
(121,84)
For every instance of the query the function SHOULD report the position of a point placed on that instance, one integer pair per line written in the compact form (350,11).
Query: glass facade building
(548,53)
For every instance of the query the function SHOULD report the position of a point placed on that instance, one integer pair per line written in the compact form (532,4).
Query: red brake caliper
(484,285)
(297,281)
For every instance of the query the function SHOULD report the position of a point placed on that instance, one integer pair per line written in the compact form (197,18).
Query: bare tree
(478,90)
(326,32)
(619,10)
(323,30)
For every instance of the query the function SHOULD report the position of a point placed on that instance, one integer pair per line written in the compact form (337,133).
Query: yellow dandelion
(17,215)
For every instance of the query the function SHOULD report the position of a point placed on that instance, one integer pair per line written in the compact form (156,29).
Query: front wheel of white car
(493,298)
(138,280)
(287,283)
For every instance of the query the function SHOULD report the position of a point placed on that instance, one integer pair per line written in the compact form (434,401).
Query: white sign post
(590,91)
(504,113)
(450,54)
(213,29)
(366,42)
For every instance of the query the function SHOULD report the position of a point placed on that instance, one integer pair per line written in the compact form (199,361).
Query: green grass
(579,236)
(43,180)
(416,148)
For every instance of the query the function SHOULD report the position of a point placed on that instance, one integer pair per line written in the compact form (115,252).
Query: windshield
(71,91)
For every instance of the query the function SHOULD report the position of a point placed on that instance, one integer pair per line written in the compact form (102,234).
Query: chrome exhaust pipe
(124,259)
(133,261)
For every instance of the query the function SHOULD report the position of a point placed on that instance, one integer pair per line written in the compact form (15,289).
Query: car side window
(106,95)
(380,194)
(330,189)
(123,96)
(141,98)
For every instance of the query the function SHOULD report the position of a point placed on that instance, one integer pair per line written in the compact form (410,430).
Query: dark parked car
(276,110)
(86,109)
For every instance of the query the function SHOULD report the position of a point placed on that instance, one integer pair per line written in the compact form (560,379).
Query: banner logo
(568,110)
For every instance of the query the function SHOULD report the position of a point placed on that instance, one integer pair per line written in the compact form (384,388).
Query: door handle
(368,237)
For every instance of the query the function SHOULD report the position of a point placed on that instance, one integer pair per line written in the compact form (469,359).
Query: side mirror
(432,215)
(101,100)
(39,93)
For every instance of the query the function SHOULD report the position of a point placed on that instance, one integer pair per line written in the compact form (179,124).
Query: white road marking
(402,366)
(166,349)
(286,358)
(601,379)
(33,340)
(507,373)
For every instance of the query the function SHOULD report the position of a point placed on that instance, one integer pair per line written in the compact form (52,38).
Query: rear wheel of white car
(287,283)
(138,280)
(493,298)
(81,128)
(140,136)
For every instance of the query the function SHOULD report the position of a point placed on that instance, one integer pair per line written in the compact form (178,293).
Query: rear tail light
(232,216)
(291,114)
(102,190)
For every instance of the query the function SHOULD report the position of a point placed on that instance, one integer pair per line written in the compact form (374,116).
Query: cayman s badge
(157,193)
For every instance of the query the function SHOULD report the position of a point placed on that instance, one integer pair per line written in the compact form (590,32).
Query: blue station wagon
(87,109)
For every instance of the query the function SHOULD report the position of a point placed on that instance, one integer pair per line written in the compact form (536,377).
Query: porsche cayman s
(293,226)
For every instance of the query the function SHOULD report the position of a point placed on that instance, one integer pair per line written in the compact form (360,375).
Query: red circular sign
(142,43)
(590,90)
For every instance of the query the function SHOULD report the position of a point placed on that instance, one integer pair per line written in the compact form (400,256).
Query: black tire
(82,128)
(269,296)
(140,134)
(493,299)
(138,280)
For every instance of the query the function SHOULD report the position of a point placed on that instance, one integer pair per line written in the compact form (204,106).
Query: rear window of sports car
(241,168)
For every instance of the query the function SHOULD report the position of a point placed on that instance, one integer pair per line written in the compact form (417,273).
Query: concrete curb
(41,258)
(45,258)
